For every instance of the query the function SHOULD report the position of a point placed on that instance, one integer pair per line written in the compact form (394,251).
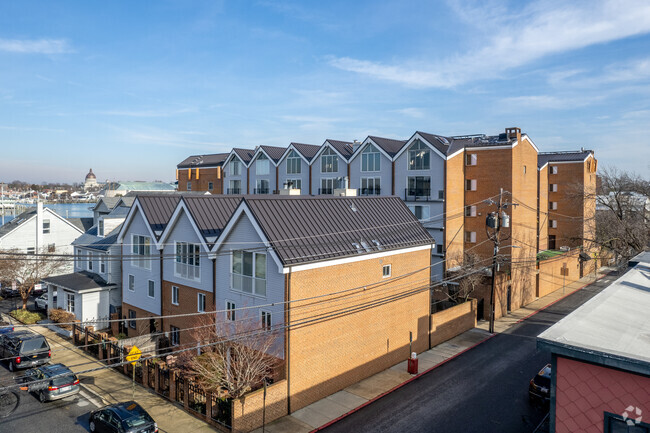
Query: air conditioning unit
(565,248)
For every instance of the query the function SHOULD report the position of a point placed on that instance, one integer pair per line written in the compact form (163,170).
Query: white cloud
(147,113)
(413,112)
(548,102)
(544,28)
(35,46)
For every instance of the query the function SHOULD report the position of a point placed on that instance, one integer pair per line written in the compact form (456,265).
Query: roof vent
(378,244)
(366,246)
(358,247)
(353,207)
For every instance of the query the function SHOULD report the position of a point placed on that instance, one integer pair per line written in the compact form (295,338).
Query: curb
(395,388)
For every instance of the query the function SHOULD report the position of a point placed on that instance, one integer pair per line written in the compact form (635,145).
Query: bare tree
(27,270)
(239,356)
(472,269)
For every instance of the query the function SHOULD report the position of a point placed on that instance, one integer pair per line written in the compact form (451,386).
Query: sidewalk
(330,409)
(107,386)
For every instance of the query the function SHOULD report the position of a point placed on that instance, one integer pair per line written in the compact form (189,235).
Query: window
(189,186)
(132,319)
(90,261)
(174,335)
(554,169)
(46,227)
(617,424)
(419,186)
(420,212)
(470,237)
(419,156)
(31,250)
(262,165)
(230,310)
(470,159)
(386,270)
(249,272)
(553,205)
(51,248)
(370,186)
(327,186)
(329,161)
(151,289)
(100,227)
(200,304)
(441,194)
(132,283)
(294,165)
(470,185)
(439,249)
(553,187)
(174,295)
(266,320)
(553,224)
(551,242)
(234,187)
(141,250)
(370,159)
(262,186)
(69,297)
(188,261)
(524,169)
(102,265)
(210,186)
(235,167)
(294,183)
(470,211)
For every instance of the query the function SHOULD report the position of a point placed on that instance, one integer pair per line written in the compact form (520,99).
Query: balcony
(369,191)
(422,194)
(233,191)
(257,191)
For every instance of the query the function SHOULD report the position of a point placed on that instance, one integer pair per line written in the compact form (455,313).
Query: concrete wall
(247,411)
(451,322)
(340,349)
(584,392)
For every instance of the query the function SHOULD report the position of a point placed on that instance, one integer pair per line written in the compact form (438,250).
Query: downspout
(214,282)
(277,187)
(392,186)
(287,347)
(310,179)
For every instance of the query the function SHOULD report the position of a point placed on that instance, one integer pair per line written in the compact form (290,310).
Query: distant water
(66,210)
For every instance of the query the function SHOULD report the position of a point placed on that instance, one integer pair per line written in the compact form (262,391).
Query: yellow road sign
(134,354)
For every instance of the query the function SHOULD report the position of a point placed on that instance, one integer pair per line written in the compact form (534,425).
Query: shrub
(121,336)
(27,317)
(59,315)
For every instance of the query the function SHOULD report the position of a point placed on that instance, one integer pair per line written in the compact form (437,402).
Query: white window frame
(262,165)
(231,186)
(419,156)
(131,282)
(231,310)
(174,335)
(325,181)
(294,163)
(470,184)
(369,184)
(259,188)
(470,237)
(553,224)
(370,160)
(386,271)
(31,250)
(234,167)
(175,295)
(470,211)
(46,231)
(69,302)
(554,169)
(102,264)
(89,263)
(296,183)
(553,205)
(187,255)
(329,161)
(471,159)
(141,251)
(201,302)
(151,287)
(266,320)
(238,280)
(553,187)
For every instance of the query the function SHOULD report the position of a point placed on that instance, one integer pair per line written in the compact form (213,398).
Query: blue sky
(132,88)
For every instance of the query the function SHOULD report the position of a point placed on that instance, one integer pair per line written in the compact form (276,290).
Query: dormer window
(419,156)
(100,228)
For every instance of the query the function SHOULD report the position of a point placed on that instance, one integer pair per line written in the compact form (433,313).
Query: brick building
(201,173)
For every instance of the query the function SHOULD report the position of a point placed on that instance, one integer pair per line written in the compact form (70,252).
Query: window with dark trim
(625,423)
(132,319)
(175,335)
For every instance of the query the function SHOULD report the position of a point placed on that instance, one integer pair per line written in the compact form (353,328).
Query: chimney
(513,133)
(39,225)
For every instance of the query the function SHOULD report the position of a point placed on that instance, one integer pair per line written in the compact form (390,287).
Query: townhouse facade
(201,173)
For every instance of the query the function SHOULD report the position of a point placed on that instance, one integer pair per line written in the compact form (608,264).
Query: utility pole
(495,221)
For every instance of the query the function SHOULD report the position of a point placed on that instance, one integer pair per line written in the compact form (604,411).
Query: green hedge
(27,317)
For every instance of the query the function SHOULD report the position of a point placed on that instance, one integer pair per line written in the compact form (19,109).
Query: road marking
(90,399)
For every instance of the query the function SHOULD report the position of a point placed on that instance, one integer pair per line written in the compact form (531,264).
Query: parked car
(540,385)
(8,291)
(23,349)
(127,417)
(52,382)
(41,301)
(38,290)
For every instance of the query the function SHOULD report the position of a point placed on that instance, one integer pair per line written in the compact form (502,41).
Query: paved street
(484,389)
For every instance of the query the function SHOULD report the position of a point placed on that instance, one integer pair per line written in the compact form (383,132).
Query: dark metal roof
(17,221)
(158,209)
(105,204)
(212,160)
(212,213)
(91,240)
(244,154)
(306,150)
(274,152)
(78,281)
(389,145)
(309,229)
(441,143)
(343,147)
(82,224)
(577,156)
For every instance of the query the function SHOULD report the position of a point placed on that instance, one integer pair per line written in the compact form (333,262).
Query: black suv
(540,385)
(127,417)
(24,349)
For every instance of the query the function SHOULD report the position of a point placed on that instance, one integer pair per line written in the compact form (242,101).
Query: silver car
(41,302)
(52,382)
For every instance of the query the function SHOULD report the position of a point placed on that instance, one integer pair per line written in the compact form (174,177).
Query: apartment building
(330,169)
(236,171)
(317,271)
(263,169)
(567,216)
(294,168)
(201,173)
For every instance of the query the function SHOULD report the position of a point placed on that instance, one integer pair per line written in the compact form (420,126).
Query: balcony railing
(260,191)
(417,194)
(325,191)
(369,191)
(233,191)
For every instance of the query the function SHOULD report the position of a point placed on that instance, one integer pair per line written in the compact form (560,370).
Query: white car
(41,302)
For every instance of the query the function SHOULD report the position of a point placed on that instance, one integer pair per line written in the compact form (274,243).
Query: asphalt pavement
(483,390)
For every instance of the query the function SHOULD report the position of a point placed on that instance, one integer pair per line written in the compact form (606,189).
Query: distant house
(41,229)
(116,189)
(201,173)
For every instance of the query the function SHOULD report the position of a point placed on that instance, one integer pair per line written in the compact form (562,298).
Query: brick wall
(187,303)
(550,276)
(584,392)
(141,326)
(451,322)
(542,224)
(206,175)
(334,352)
(454,209)
(570,203)
(247,412)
